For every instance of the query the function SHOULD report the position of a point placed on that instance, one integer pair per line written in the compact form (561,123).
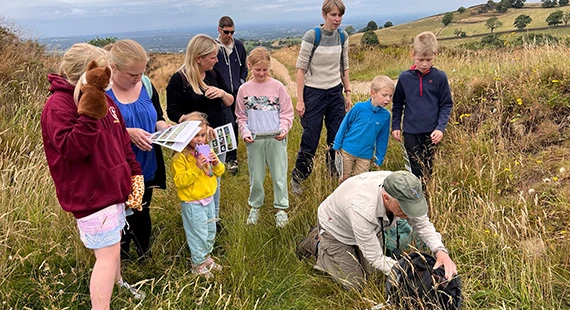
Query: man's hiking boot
(309,245)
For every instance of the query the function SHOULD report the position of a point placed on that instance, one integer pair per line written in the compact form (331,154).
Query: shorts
(102,228)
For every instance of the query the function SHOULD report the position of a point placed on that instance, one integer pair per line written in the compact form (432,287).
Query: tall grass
(499,196)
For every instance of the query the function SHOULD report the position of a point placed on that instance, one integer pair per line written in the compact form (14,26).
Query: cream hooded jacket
(352,215)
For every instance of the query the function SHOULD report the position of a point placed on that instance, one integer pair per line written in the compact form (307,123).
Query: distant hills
(176,40)
(472,22)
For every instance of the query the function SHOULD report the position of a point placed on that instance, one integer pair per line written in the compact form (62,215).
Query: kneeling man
(351,218)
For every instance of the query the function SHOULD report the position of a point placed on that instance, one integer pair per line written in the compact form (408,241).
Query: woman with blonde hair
(91,164)
(139,104)
(198,86)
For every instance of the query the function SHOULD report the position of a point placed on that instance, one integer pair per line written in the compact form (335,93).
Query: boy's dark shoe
(309,245)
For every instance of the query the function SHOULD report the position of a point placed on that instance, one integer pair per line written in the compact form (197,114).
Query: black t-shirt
(181,99)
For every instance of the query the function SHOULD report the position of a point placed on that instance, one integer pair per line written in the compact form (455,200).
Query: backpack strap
(315,45)
(342,39)
(318,41)
(147,85)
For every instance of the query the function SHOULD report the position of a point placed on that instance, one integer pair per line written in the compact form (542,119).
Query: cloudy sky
(61,18)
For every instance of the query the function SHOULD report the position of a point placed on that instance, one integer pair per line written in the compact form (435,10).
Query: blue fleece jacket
(363,130)
(424,99)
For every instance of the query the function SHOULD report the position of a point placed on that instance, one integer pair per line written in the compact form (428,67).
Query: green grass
(499,197)
(471,22)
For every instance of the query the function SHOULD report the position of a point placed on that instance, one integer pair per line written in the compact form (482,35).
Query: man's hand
(443,259)
(248,139)
(397,135)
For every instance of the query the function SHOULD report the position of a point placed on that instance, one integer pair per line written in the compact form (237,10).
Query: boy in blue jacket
(364,131)
(423,95)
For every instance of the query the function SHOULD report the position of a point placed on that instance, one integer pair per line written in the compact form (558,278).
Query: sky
(64,18)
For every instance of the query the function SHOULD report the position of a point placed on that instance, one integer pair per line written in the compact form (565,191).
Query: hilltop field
(500,195)
(472,22)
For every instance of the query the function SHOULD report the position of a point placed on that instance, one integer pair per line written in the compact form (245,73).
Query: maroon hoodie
(91,161)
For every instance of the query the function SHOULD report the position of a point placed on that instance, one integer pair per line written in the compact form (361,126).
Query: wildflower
(562,170)
(487,231)
(514,120)
(464,115)
(517,162)
(519,101)
(539,161)
(555,81)
(563,232)
(455,123)
(507,169)
(554,178)
(497,78)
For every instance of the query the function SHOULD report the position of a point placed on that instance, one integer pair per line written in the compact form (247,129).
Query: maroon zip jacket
(91,161)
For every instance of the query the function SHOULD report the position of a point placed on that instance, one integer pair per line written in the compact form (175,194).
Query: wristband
(346,91)
(440,249)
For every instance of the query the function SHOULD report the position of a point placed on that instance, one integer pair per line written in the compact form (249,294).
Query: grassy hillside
(470,21)
(500,197)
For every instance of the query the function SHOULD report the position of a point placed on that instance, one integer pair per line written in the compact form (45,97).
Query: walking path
(279,71)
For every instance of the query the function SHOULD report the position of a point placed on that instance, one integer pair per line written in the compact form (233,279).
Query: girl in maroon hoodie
(91,163)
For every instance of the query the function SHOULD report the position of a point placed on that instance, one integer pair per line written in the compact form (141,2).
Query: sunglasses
(229,31)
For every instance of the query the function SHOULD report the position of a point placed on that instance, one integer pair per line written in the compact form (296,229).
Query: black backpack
(416,285)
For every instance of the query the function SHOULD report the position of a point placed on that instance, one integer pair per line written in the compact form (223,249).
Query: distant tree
(370,38)
(388,24)
(563,2)
(490,5)
(522,21)
(548,3)
(457,32)
(461,9)
(447,18)
(555,18)
(503,6)
(101,42)
(517,3)
(566,18)
(350,30)
(493,23)
(370,26)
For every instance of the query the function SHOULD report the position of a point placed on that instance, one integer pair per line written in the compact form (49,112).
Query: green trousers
(266,151)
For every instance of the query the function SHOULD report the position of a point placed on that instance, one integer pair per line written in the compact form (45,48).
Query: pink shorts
(102,228)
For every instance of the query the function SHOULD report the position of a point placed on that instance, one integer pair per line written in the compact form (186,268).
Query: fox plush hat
(96,80)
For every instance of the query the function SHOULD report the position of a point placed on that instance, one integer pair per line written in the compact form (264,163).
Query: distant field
(471,22)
